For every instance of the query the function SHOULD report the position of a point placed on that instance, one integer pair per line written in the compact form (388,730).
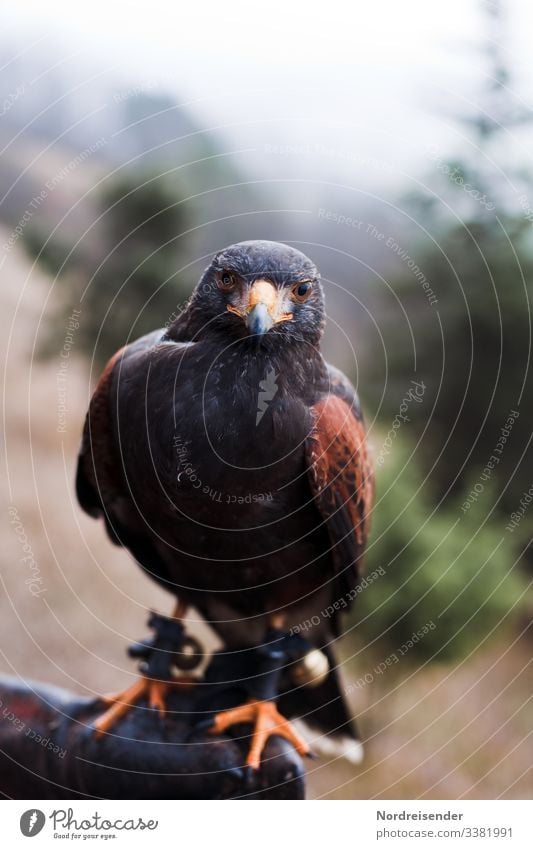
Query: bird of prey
(230,459)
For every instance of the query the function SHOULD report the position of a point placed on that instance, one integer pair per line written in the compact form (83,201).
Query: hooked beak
(264,308)
(259,320)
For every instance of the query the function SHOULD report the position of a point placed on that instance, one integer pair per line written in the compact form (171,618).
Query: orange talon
(121,703)
(154,690)
(119,706)
(156,696)
(267,720)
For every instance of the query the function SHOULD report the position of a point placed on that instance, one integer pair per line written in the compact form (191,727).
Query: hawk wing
(100,485)
(341,477)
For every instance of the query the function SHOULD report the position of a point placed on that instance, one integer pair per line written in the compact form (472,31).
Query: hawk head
(267,291)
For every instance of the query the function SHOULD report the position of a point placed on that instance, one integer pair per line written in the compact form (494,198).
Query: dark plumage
(230,459)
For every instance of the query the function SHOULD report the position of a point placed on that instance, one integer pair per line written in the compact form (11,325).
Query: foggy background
(393,145)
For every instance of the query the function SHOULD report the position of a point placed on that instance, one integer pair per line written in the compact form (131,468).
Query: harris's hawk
(230,459)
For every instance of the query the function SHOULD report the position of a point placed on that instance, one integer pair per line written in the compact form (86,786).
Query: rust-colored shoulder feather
(341,478)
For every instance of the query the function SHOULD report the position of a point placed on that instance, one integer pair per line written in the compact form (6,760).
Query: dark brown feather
(98,475)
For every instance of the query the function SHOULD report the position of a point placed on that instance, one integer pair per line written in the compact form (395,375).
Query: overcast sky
(377,79)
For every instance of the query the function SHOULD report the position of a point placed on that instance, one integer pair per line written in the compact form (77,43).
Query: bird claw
(266,722)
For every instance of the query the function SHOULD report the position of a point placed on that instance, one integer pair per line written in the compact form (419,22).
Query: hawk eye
(226,281)
(302,291)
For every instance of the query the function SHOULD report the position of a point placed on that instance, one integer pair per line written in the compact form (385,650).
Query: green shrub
(444,566)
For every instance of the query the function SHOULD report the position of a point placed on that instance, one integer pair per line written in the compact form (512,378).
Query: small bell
(311,670)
